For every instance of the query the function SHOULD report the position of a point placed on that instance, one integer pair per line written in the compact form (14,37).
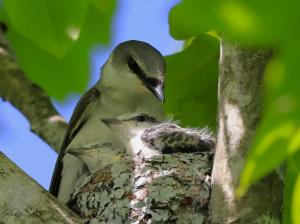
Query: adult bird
(131,80)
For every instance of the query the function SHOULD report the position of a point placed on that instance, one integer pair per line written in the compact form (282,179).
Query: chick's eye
(133,66)
(141,118)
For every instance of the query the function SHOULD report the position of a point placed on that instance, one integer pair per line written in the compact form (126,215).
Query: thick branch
(22,200)
(240,90)
(29,98)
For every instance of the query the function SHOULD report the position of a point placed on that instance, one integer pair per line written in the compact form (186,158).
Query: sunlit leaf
(52,24)
(103,5)
(291,189)
(268,154)
(246,21)
(296,200)
(191,86)
(61,76)
(190,18)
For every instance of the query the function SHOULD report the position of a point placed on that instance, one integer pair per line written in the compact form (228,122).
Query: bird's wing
(76,122)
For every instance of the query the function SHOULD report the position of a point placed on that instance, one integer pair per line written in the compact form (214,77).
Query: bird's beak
(76,152)
(109,121)
(158,92)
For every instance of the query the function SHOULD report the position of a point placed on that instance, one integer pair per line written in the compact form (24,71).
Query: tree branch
(29,98)
(240,90)
(22,200)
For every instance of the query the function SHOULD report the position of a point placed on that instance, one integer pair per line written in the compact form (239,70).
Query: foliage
(270,24)
(191,85)
(53,25)
(292,197)
(52,39)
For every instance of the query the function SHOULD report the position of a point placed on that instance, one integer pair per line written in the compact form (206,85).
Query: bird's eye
(141,118)
(133,66)
(144,118)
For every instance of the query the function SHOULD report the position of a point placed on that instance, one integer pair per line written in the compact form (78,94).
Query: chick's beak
(109,121)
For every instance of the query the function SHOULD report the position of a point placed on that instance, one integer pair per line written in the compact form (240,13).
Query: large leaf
(102,5)
(296,200)
(292,190)
(251,21)
(60,76)
(52,24)
(189,18)
(191,85)
(268,153)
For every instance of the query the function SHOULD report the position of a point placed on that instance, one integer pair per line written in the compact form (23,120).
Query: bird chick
(168,137)
(141,133)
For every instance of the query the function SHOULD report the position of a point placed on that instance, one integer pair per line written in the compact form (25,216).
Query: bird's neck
(136,147)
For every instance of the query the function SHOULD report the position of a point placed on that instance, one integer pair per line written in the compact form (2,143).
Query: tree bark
(29,98)
(23,201)
(239,95)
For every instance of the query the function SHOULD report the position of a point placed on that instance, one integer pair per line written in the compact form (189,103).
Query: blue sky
(145,20)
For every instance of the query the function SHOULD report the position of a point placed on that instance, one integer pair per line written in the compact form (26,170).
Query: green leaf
(103,5)
(189,18)
(52,24)
(292,190)
(61,76)
(268,154)
(296,200)
(246,21)
(191,85)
